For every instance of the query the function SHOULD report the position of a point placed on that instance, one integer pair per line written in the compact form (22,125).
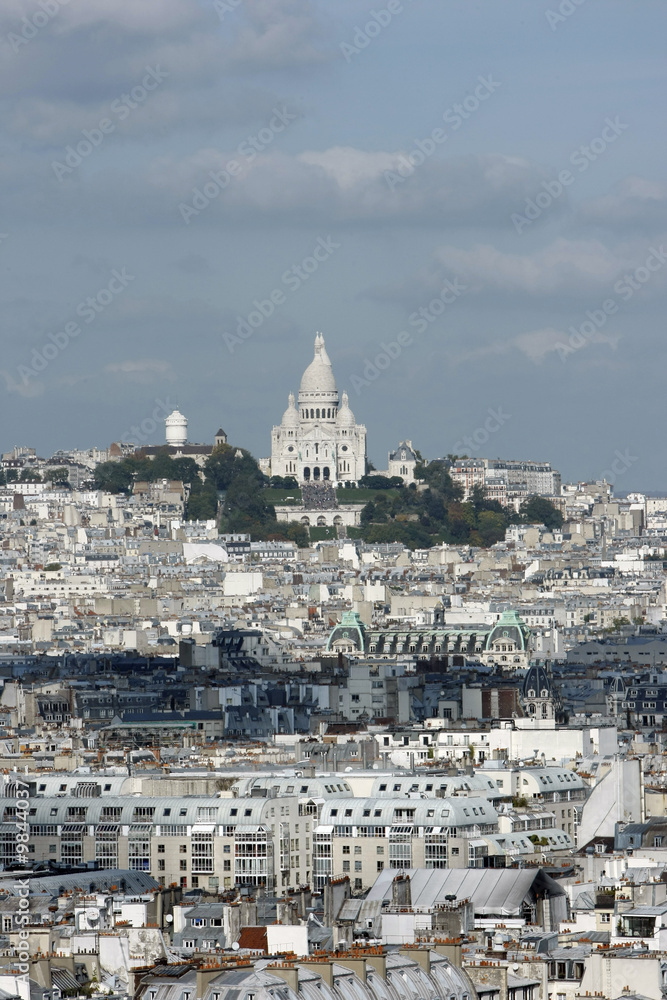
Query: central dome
(318,379)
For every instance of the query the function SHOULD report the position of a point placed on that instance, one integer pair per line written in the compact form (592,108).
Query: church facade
(318,439)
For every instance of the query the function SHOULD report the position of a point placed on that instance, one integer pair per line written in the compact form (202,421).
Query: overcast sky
(311,115)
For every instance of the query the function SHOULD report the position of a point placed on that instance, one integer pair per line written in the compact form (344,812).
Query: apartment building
(363,836)
(191,841)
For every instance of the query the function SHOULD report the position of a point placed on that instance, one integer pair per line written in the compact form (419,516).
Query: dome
(176,428)
(537,683)
(509,626)
(291,414)
(345,416)
(318,379)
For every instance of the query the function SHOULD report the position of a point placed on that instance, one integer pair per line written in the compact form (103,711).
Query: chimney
(450,950)
(324,969)
(287,972)
(401,894)
(379,963)
(420,955)
(204,977)
(357,965)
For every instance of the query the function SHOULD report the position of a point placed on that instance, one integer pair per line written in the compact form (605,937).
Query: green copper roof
(351,627)
(511,625)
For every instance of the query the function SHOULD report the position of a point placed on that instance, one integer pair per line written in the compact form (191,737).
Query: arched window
(317,413)
(531,709)
(312,414)
(328,414)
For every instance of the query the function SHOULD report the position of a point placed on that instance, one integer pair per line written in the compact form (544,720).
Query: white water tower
(176,429)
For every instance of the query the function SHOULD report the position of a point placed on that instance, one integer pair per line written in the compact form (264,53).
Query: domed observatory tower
(176,429)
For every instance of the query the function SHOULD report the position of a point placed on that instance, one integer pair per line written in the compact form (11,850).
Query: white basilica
(318,439)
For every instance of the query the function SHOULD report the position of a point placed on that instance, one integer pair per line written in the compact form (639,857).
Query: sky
(468,199)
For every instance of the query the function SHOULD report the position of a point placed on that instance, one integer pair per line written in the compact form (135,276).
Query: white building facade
(319,439)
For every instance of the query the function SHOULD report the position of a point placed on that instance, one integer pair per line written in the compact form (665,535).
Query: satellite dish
(169,918)
(235,946)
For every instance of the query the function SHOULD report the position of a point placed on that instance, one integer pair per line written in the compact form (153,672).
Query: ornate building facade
(505,644)
(318,439)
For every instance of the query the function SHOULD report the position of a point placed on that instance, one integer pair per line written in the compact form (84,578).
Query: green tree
(436,475)
(225,464)
(539,510)
(59,476)
(202,503)
(491,526)
(113,477)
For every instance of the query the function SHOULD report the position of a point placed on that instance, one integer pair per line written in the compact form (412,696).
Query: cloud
(572,266)
(634,205)
(340,185)
(535,345)
(29,390)
(143,371)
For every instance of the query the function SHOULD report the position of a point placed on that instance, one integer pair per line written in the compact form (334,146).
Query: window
(182,848)
(346,866)
(346,848)
(380,866)
(184,865)
(160,848)
(357,866)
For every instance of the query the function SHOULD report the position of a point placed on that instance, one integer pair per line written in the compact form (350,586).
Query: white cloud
(564,265)
(535,345)
(635,203)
